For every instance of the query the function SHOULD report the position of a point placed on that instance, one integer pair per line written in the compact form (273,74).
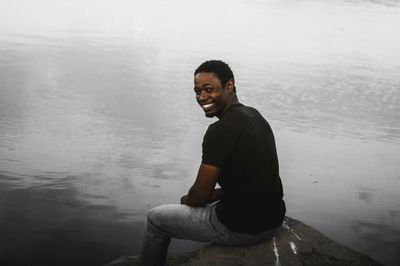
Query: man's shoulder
(217,127)
(235,120)
(239,115)
(232,122)
(249,111)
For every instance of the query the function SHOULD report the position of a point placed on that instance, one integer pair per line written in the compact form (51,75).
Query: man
(239,154)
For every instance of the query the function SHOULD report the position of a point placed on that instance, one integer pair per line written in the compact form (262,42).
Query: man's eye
(209,89)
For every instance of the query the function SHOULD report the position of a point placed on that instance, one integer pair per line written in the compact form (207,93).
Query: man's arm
(203,190)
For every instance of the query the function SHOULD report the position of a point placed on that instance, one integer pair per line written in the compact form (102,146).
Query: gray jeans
(191,223)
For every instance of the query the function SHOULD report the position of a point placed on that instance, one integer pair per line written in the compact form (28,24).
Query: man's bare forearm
(202,191)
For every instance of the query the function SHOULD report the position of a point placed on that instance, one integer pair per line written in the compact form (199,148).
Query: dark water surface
(98,121)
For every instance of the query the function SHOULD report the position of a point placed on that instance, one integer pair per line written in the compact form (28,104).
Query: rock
(125,261)
(294,244)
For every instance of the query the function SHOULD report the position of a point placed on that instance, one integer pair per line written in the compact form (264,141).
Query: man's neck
(233,101)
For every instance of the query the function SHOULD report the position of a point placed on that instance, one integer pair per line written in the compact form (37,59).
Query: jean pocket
(222,236)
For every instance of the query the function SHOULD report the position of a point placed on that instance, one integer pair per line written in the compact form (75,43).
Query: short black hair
(219,68)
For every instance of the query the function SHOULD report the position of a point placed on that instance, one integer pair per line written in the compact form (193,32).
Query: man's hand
(202,191)
(184,199)
(215,196)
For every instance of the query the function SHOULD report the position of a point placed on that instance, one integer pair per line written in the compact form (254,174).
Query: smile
(207,106)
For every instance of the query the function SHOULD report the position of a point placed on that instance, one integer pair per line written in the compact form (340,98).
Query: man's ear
(230,85)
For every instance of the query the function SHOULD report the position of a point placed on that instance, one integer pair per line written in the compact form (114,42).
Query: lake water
(98,121)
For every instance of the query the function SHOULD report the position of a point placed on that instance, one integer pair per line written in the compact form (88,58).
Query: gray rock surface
(294,244)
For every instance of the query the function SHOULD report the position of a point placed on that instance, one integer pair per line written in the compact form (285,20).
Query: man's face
(210,93)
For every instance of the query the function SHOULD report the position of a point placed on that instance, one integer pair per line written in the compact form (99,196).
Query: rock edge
(294,244)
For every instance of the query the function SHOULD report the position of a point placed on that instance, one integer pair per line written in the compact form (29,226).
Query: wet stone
(294,244)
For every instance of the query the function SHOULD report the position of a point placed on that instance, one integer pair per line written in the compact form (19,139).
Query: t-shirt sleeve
(218,142)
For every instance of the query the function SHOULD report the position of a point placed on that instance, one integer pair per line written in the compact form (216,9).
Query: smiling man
(239,154)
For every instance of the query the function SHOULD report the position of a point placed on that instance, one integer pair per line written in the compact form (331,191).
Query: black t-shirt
(242,145)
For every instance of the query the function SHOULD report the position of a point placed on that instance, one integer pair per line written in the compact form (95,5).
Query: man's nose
(203,95)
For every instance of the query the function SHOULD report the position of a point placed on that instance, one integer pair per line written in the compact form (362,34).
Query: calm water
(98,121)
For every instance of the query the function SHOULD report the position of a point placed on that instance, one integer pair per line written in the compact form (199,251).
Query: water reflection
(55,226)
(333,104)
(366,195)
(382,237)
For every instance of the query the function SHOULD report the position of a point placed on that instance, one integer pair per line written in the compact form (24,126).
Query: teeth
(207,105)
